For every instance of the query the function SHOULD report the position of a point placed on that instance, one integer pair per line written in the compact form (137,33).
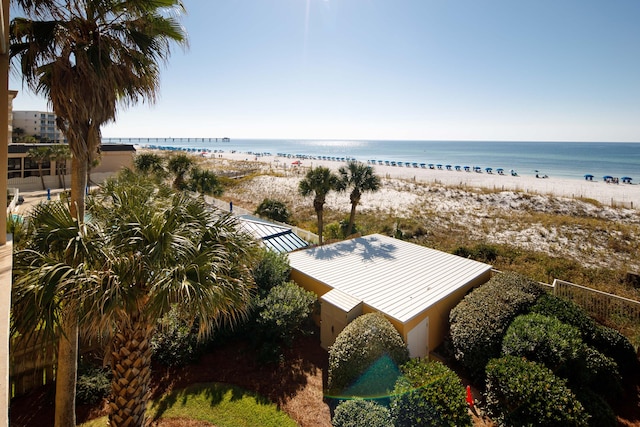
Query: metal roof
(343,301)
(398,278)
(276,237)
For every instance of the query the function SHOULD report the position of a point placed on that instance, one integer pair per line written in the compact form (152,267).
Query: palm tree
(359,178)
(61,153)
(51,275)
(40,155)
(179,165)
(149,163)
(319,181)
(87,57)
(205,182)
(163,248)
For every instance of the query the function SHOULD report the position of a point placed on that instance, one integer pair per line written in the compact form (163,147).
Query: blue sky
(397,69)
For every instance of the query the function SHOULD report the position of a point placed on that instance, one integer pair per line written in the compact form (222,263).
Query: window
(15,168)
(31,168)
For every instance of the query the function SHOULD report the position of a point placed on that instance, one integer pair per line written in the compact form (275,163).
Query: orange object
(469,396)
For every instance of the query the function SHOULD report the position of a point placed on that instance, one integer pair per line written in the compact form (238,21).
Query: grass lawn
(220,404)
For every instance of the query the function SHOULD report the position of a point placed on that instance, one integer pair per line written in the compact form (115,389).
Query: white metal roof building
(415,287)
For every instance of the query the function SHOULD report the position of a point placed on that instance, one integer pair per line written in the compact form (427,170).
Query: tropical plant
(149,163)
(204,182)
(175,342)
(273,209)
(60,153)
(369,344)
(429,393)
(51,277)
(86,58)
(179,165)
(40,155)
(319,181)
(360,178)
(162,248)
(94,383)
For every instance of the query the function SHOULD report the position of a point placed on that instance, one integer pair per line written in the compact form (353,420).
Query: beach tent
(626,179)
(413,286)
(588,177)
(500,171)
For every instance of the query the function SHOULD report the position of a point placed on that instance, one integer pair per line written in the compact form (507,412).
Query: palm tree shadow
(369,249)
(212,393)
(235,363)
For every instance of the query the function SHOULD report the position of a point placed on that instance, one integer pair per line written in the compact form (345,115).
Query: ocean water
(556,159)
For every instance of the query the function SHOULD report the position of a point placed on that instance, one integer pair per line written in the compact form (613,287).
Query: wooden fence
(604,307)
(31,365)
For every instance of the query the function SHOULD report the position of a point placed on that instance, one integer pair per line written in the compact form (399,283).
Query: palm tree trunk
(65,415)
(320,225)
(66,375)
(40,173)
(78,185)
(352,219)
(131,366)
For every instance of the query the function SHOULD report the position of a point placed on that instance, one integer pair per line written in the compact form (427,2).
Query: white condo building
(41,124)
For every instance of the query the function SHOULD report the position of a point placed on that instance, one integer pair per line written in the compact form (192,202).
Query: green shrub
(599,372)
(479,321)
(601,414)
(368,339)
(175,341)
(93,384)
(615,345)
(607,341)
(567,312)
(273,269)
(543,339)
(282,313)
(480,252)
(361,413)
(524,393)
(273,209)
(429,393)
(560,348)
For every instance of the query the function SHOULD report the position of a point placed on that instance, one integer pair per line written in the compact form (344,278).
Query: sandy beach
(617,195)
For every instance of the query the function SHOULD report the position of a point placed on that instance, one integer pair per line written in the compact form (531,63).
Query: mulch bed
(295,385)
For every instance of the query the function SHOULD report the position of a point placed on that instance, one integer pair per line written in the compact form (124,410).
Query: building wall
(111,161)
(24,174)
(438,314)
(38,123)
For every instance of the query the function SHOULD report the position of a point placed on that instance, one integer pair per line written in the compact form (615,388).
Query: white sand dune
(622,195)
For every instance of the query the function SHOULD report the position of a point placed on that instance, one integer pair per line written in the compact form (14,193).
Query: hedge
(524,393)
(368,342)
(543,339)
(361,413)
(560,348)
(480,320)
(429,393)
